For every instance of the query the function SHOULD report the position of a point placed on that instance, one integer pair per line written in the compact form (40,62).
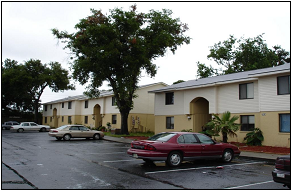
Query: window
(187,139)
(169,98)
(247,122)
(283,85)
(86,104)
(45,107)
(86,119)
(204,139)
(45,120)
(69,119)
(246,91)
(63,104)
(170,123)
(69,105)
(62,118)
(113,101)
(114,119)
(51,106)
(285,123)
(51,119)
(74,128)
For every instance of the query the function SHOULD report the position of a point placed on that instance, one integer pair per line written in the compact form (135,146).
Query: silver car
(29,126)
(66,132)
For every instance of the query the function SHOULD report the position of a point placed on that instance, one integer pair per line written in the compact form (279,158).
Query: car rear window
(62,127)
(162,137)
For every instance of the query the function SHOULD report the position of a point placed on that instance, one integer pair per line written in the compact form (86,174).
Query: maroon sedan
(174,147)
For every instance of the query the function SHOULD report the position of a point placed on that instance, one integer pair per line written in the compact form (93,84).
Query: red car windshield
(162,137)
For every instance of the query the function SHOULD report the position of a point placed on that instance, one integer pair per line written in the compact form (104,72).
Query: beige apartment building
(261,99)
(100,111)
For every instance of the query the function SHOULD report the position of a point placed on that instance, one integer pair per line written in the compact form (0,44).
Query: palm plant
(226,125)
(254,137)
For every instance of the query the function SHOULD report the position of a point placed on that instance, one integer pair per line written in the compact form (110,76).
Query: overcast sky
(26,32)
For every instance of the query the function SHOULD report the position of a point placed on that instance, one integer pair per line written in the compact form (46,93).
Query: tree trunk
(224,135)
(124,123)
(36,111)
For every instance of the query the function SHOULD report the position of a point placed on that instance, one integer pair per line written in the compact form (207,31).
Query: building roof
(225,79)
(103,93)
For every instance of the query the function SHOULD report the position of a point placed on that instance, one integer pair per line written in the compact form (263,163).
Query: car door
(74,131)
(25,126)
(190,146)
(209,147)
(34,127)
(84,132)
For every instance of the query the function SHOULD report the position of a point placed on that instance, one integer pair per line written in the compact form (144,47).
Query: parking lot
(33,160)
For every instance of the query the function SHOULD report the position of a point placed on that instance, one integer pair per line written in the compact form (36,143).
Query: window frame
(280,123)
(246,91)
(248,128)
(86,104)
(114,119)
(278,84)
(70,105)
(86,119)
(169,98)
(171,124)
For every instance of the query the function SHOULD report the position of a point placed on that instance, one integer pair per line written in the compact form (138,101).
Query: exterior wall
(143,111)
(265,106)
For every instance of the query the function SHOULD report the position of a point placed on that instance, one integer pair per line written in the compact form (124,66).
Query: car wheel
(67,137)
(42,129)
(59,138)
(227,155)
(96,137)
(174,159)
(20,130)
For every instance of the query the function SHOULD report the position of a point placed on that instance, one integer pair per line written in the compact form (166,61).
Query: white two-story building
(100,111)
(261,99)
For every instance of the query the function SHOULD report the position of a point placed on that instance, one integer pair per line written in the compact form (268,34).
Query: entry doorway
(97,116)
(55,116)
(199,109)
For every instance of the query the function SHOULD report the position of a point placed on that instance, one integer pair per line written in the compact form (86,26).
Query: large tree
(237,55)
(25,83)
(117,47)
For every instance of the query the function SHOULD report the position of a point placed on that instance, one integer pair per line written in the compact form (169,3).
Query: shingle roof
(229,78)
(102,94)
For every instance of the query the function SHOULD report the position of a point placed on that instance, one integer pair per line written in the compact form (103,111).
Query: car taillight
(149,147)
(282,164)
(54,131)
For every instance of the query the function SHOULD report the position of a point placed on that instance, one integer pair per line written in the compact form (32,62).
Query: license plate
(134,155)
(281,175)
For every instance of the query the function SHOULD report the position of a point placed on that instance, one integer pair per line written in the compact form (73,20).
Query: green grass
(147,134)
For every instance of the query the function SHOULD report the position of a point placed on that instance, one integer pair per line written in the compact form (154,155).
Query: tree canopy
(117,47)
(23,84)
(237,55)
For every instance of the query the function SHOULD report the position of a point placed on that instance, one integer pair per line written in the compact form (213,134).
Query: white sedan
(29,126)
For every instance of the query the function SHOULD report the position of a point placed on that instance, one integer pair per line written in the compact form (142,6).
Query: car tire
(227,155)
(174,159)
(59,138)
(42,130)
(67,137)
(96,136)
(20,130)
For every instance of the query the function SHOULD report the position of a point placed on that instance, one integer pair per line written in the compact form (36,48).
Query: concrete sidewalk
(253,155)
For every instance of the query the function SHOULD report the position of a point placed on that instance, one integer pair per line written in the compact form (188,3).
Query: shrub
(254,137)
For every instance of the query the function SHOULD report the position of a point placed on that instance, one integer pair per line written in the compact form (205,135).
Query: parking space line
(249,185)
(120,161)
(210,167)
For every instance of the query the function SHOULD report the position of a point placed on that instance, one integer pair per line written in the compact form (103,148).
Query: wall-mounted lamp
(189,117)
(93,116)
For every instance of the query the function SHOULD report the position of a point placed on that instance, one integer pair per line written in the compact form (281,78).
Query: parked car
(66,132)
(29,126)
(174,147)
(7,125)
(281,173)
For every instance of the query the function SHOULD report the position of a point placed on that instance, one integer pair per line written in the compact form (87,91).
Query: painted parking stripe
(250,185)
(120,161)
(210,167)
